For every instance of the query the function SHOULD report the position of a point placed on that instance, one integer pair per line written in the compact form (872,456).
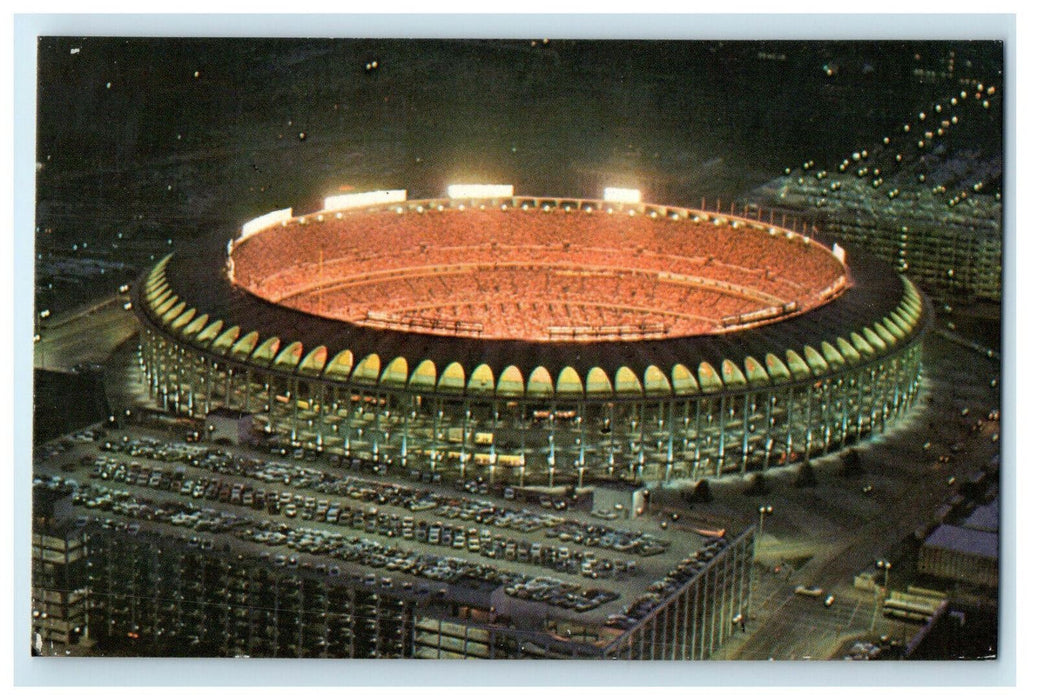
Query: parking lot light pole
(764,511)
(885,565)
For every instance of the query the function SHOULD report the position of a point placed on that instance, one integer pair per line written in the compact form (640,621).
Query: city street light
(764,510)
(885,566)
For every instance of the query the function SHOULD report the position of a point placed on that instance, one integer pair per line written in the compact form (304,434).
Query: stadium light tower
(461,191)
(623,195)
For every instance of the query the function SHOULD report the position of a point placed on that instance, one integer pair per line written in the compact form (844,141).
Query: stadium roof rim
(192,302)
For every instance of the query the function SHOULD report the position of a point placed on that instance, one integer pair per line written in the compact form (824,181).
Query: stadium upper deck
(550,273)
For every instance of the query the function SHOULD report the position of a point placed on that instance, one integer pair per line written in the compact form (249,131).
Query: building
(961,554)
(625,500)
(226,425)
(59,581)
(927,199)
(367,330)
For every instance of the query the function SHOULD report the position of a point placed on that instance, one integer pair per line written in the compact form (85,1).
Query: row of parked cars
(317,541)
(425,565)
(371,520)
(659,591)
(560,593)
(56,448)
(478,511)
(487,512)
(96,496)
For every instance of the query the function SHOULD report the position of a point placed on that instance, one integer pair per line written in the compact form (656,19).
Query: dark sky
(178,138)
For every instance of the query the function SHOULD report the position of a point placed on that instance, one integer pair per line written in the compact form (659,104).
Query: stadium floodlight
(480,191)
(357,200)
(623,195)
(839,252)
(265,221)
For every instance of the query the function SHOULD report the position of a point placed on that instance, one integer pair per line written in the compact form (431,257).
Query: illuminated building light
(622,195)
(479,191)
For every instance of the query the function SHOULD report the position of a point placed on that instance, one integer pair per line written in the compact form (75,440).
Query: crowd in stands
(505,269)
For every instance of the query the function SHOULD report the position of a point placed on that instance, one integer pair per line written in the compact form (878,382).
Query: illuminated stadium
(536,339)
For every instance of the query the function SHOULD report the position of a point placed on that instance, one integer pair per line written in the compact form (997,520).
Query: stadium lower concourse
(530,340)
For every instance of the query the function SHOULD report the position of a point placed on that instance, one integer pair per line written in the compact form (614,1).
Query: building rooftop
(985,518)
(965,541)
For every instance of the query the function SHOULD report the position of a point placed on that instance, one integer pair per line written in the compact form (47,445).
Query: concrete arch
(424,375)
(797,366)
(453,378)
(266,352)
(709,379)
(655,383)
(627,383)
(396,373)
(510,382)
(755,372)
(569,383)
(481,380)
(732,376)
(245,346)
(340,366)
(540,383)
(683,380)
(314,362)
(368,369)
(598,383)
(225,339)
(290,357)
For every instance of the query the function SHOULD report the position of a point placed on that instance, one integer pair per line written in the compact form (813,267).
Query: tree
(701,493)
(805,476)
(757,486)
(852,463)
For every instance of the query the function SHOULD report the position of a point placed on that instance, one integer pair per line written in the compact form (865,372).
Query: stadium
(536,340)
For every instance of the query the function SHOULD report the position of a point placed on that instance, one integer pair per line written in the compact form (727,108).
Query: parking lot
(353,519)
